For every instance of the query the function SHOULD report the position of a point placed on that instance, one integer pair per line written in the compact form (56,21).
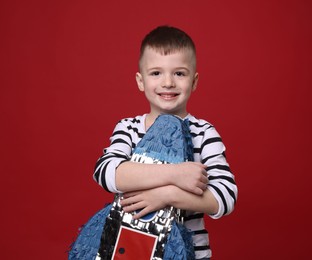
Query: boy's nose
(168,82)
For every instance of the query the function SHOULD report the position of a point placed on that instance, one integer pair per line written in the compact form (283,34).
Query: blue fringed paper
(88,242)
(167,140)
(180,244)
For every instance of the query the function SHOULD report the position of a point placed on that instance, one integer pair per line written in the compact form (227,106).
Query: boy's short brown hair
(166,40)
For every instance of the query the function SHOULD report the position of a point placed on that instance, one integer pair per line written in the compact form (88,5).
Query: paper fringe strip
(88,242)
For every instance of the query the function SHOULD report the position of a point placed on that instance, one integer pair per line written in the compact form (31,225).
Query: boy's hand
(191,177)
(147,201)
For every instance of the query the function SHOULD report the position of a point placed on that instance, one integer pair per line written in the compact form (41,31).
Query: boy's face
(167,80)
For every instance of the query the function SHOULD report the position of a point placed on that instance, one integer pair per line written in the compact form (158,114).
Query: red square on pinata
(134,244)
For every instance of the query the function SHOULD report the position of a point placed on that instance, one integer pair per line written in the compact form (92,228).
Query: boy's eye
(155,73)
(180,73)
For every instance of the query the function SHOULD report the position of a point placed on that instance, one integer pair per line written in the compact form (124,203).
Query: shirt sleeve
(119,151)
(221,180)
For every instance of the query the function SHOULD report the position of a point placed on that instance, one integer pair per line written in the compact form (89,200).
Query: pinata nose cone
(167,140)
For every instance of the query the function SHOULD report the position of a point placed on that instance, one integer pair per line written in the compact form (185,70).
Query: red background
(67,77)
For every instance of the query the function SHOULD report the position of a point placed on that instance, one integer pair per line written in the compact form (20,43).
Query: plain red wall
(67,77)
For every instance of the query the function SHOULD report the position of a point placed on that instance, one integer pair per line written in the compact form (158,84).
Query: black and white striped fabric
(208,149)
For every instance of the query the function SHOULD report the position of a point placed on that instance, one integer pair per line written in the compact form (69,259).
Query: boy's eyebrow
(182,68)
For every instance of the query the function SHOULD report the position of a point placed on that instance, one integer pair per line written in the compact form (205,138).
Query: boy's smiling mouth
(168,95)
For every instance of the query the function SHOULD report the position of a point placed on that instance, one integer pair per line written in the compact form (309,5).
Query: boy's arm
(189,176)
(221,180)
(219,196)
(158,198)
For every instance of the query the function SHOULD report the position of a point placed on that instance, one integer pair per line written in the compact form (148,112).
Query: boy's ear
(139,80)
(195,81)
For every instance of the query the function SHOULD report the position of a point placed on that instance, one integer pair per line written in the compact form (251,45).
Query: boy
(167,75)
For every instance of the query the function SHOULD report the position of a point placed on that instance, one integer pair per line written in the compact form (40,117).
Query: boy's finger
(140,214)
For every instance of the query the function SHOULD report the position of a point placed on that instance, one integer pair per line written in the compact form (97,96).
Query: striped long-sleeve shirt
(208,149)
